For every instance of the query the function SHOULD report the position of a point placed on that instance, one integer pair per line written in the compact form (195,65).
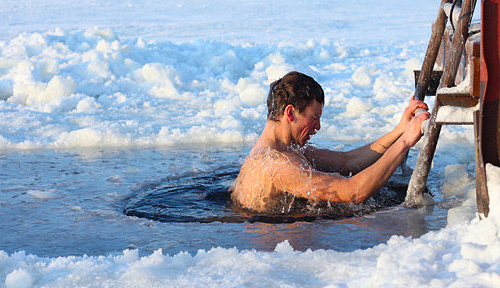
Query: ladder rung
(454,123)
(461,99)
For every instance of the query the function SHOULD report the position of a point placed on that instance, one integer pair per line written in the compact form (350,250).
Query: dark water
(202,198)
(206,198)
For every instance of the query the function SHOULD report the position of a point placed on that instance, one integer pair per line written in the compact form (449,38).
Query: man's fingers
(419,107)
(421,104)
(423,114)
(424,119)
(419,111)
(418,103)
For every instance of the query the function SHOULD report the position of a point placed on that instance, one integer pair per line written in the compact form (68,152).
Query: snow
(361,77)
(357,107)
(129,74)
(451,114)
(458,183)
(493,181)
(449,258)
(456,114)
(19,278)
(85,88)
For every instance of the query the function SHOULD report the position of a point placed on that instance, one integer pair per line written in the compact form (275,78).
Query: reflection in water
(266,236)
(342,234)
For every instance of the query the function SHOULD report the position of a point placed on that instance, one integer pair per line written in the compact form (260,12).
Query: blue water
(59,203)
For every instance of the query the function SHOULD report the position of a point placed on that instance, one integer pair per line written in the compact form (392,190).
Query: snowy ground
(132,74)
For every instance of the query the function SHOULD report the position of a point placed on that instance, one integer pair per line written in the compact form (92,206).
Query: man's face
(307,123)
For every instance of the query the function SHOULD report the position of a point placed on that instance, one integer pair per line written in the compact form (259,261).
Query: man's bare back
(262,185)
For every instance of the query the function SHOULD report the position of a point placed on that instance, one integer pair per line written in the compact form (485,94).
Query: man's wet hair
(294,88)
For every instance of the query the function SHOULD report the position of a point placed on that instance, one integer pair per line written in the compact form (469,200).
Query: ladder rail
(418,180)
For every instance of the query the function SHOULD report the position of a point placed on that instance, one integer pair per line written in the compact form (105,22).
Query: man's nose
(318,125)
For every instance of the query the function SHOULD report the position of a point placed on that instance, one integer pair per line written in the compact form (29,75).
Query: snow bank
(493,181)
(460,185)
(88,88)
(451,257)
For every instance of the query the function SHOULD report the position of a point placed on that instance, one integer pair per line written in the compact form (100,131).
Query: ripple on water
(205,198)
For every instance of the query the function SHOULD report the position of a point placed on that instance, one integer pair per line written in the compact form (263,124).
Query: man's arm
(354,161)
(351,162)
(294,176)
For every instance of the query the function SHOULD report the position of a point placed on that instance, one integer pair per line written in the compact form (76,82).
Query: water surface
(59,203)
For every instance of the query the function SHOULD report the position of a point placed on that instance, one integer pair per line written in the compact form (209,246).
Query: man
(281,168)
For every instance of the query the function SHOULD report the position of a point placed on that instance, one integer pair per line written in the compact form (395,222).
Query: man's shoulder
(270,153)
(272,159)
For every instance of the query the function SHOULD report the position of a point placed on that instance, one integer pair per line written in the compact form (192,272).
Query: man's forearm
(351,162)
(370,180)
(362,157)
(384,142)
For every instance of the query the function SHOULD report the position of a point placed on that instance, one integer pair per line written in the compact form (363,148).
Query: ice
(150,74)
(459,184)
(44,195)
(357,107)
(361,77)
(251,94)
(18,278)
(277,68)
(457,181)
(97,89)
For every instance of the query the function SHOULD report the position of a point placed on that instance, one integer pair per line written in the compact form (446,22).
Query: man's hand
(409,113)
(413,131)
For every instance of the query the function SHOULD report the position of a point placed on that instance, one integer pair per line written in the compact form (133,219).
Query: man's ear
(290,112)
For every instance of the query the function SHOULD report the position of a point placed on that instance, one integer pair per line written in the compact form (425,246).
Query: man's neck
(275,135)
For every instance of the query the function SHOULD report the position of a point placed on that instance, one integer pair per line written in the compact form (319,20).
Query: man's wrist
(399,130)
(404,144)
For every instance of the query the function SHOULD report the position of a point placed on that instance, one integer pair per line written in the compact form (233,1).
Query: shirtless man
(280,167)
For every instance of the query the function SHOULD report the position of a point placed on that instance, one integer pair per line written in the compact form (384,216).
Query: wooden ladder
(453,59)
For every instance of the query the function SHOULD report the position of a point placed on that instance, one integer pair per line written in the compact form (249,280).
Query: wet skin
(277,167)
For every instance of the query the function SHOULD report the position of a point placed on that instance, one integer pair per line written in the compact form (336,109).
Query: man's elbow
(359,198)
(347,191)
(358,194)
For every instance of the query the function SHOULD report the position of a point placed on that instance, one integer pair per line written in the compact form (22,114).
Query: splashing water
(205,197)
